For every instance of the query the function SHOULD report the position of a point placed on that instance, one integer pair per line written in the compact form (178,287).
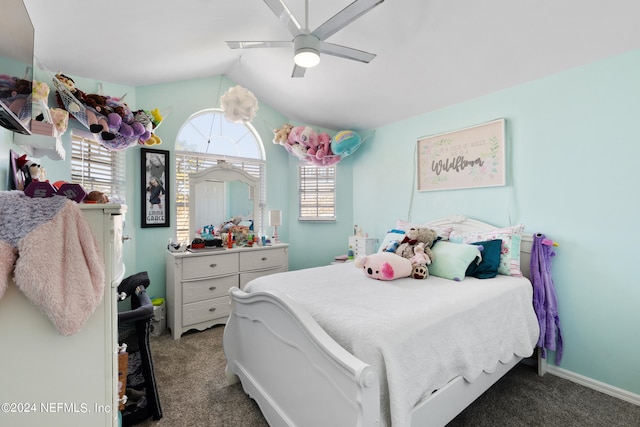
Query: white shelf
(40,145)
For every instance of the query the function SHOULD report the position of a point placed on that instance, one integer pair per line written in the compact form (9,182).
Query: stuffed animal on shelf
(32,171)
(281,136)
(384,266)
(416,235)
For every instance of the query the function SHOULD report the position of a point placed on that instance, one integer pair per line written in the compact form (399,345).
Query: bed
(328,346)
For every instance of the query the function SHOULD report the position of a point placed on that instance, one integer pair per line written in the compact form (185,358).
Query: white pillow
(392,235)
(443,232)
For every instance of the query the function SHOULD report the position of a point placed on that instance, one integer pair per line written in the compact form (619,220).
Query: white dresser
(198,283)
(50,379)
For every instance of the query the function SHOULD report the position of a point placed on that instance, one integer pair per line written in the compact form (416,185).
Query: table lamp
(275,220)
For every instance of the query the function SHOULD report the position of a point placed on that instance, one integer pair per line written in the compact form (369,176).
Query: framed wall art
(154,167)
(466,158)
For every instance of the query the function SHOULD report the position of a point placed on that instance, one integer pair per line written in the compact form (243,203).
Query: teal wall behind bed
(573,148)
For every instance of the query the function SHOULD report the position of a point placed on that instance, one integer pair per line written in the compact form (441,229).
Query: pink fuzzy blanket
(55,260)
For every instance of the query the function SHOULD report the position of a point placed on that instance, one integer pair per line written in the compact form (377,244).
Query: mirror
(220,192)
(16,67)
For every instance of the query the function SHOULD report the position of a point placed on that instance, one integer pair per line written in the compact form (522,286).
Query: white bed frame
(300,376)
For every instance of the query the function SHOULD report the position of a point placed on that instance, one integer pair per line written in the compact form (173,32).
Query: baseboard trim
(595,385)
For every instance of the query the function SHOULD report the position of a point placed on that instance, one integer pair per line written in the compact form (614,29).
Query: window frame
(256,166)
(97,168)
(309,187)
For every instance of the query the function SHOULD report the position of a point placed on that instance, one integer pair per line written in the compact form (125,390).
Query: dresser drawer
(247,277)
(208,266)
(203,311)
(262,259)
(208,288)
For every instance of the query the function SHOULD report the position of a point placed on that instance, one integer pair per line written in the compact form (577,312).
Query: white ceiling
(430,53)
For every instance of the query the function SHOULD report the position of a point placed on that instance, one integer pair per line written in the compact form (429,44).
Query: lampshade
(307,57)
(275,218)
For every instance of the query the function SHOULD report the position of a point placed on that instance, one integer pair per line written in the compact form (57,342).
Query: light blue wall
(573,148)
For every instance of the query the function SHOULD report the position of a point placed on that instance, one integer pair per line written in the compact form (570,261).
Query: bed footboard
(292,368)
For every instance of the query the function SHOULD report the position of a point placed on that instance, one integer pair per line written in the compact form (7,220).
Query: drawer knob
(213,265)
(212,309)
(264,258)
(212,288)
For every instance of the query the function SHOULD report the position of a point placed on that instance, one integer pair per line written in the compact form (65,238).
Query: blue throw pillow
(488,267)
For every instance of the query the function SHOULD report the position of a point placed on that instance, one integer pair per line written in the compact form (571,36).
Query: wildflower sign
(467,158)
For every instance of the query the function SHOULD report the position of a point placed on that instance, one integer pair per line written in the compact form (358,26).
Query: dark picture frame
(154,172)
(16,179)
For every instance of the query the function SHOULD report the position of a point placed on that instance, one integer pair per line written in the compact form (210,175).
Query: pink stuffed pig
(384,266)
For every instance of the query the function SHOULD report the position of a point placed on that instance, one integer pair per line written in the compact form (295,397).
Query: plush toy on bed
(420,261)
(416,235)
(384,266)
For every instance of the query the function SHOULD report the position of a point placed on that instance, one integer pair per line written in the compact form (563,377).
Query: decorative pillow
(510,236)
(392,235)
(487,267)
(443,232)
(452,259)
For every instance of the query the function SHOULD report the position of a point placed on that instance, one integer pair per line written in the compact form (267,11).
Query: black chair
(134,327)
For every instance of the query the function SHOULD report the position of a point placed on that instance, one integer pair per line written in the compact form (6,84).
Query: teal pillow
(452,259)
(488,265)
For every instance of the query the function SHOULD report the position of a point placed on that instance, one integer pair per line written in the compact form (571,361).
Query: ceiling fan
(307,45)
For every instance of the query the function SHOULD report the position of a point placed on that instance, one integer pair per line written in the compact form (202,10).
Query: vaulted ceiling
(430,53)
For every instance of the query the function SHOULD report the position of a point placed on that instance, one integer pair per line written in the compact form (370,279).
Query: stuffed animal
(384,266)
(300,140)
(420,260)
(281,136)
(96,121)
(414,236)
(303,135)
(323,153)
(31,170)
(345,143)
(420,257)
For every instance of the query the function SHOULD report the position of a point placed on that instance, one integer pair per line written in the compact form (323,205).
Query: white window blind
(190,162)
(96,168)
(317,193)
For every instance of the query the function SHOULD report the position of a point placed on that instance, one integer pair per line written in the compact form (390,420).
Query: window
(317,193)
(96,168)
(204,139)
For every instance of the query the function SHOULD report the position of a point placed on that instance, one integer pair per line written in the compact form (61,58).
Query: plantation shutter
(317,193)
(96,168)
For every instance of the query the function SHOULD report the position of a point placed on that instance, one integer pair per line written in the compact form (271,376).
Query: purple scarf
(545,302)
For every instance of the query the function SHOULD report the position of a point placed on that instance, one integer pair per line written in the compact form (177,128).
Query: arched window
(205,139)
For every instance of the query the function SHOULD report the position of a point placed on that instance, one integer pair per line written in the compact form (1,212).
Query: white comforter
(417,334)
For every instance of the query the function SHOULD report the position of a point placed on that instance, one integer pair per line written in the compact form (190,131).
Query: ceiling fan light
(306,57)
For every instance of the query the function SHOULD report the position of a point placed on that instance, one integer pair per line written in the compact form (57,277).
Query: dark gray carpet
(193,392)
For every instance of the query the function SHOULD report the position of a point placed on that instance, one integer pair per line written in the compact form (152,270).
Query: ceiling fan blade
(285,16)
(256,44)
(298,71)
(346,52)
(344,17)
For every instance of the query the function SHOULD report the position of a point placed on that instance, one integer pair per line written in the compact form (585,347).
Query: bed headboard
(463,224)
